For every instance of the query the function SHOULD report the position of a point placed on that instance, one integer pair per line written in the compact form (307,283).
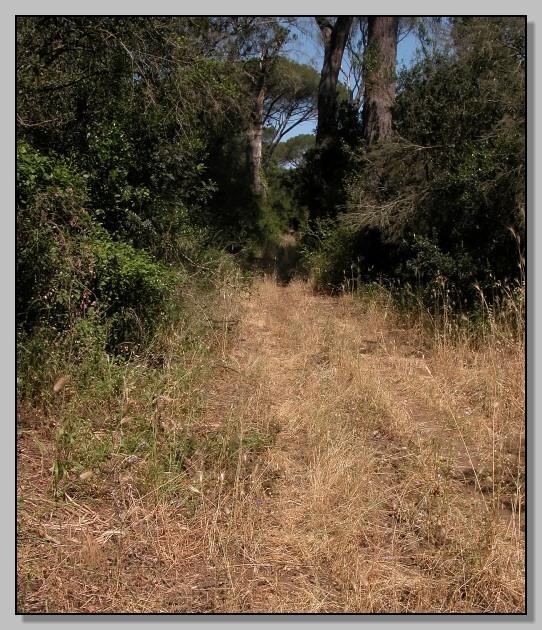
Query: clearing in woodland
(333,459)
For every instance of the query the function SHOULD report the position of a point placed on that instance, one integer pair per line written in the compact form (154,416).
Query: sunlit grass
(316,455)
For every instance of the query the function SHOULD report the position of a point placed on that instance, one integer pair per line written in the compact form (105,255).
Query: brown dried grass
(337,462)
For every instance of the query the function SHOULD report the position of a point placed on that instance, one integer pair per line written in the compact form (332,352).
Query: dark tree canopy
(291,152)
(291,100)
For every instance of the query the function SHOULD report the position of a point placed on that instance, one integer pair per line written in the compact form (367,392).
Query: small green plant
(60,474)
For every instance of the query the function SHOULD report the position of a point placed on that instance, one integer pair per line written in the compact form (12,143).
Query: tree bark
(255,136)
(380,77)
(335,38)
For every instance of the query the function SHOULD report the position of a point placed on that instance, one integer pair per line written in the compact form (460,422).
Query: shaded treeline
(422,182)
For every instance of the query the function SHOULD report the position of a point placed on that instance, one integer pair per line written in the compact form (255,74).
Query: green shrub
(129,287)
(446,193)
(50,218)
(79,291)
(341,257)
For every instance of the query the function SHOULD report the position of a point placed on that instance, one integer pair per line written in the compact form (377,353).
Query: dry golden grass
(320,457)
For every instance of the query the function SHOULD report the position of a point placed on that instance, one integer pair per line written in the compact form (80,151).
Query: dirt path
(344,509)
(332,463)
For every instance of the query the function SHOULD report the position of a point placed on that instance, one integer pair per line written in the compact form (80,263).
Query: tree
(291,99)
(133,101)
(447,192)
(380,75)
(356,46)
(335,37)
(259,41)
(292,151)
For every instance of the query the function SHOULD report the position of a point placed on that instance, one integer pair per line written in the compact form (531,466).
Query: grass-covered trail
(331,458)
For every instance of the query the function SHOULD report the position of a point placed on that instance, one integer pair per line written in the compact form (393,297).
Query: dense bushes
(117,174)
(72,276)
(320,179)
(443,200)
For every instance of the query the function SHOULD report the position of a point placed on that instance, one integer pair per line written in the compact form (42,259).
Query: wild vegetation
(268,375)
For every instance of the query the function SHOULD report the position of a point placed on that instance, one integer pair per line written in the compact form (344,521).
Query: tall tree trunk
(335,38)
(255,136)
(380,76)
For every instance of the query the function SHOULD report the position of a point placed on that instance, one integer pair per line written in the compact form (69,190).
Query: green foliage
(129,286)
(233,215)
(291,151)
(342,257)
(429,267)
(291,99)
(321,178)
(280,201)
(137,117)
(127,127)
(117,173)
(49,212)
(329,255)
(447,193)
(74,280)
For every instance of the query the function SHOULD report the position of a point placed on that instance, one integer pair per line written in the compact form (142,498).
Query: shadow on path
(284,260)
